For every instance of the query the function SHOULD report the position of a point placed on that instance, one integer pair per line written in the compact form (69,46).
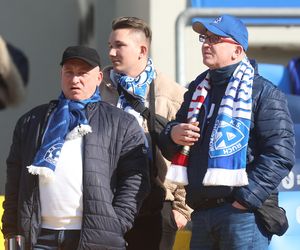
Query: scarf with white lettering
(229,138)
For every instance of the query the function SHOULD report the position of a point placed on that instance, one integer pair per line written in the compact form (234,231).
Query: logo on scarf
(227,137)
(52,153)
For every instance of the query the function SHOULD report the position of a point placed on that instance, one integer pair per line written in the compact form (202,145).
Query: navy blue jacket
(270,152)
(115,177)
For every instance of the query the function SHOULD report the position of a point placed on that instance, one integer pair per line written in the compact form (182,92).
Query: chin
(209,64)
(75,97)
(118,67)
(206,63)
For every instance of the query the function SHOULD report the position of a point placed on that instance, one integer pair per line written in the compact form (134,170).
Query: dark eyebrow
(120,42)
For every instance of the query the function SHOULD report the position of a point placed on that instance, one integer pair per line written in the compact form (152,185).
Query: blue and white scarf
(135,86)
(229,138)
(66,123)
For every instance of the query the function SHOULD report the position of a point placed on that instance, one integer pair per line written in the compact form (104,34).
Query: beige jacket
(168,99)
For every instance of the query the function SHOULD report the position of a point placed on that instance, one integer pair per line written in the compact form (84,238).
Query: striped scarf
(229,138)
(177,172)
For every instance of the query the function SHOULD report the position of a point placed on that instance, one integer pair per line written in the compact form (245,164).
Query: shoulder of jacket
(36,113)
(43,107)
(106,75)
(262,87)
(165,86)
(108,108)
(194,83)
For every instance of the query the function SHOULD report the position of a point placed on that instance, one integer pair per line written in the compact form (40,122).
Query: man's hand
(185,134)
(238,205)
(180,219)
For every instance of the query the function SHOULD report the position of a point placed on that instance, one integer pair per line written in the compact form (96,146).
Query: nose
(75,78)
(205,44)
(112,52)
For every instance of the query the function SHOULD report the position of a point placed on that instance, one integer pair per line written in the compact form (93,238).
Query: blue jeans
(226,228)
(49,239)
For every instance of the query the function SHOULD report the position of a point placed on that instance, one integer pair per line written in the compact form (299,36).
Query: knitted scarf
(66,123)
(135,86)
(177,172)
(229,138)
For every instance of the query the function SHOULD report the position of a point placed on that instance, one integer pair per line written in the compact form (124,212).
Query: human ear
(143,51)
(100,77)
(237,51)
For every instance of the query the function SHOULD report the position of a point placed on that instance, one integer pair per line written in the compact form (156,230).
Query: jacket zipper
(38,142)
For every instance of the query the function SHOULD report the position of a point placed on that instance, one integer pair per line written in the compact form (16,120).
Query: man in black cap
(77,168)
(238,141)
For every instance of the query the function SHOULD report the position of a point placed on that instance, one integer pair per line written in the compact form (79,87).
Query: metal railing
(288,17)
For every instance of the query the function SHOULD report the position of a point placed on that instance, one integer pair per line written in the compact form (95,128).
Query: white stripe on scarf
(236,105)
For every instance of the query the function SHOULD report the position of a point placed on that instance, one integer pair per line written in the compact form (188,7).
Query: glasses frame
(213,39)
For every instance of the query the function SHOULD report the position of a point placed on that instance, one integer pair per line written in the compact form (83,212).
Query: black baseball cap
(84,53)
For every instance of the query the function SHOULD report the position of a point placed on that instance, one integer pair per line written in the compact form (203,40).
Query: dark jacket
(115,177)
(270,152)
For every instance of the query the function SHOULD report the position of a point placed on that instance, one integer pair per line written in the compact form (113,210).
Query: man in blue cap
(241,146)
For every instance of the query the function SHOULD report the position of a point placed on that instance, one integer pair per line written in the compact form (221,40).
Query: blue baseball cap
(226,26)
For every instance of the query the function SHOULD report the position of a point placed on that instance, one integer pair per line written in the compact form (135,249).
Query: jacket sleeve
(178,194)
(272,143)
(13,173)
(133,182)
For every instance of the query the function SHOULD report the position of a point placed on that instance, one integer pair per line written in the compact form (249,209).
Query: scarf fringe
(46,174)
(79,131)
(225,177)
(177,174)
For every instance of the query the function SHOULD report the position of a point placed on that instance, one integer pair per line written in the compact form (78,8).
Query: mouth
(115,61)
(206,53)
(75,89)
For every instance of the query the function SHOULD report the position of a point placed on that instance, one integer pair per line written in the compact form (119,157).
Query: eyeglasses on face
(213,39)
